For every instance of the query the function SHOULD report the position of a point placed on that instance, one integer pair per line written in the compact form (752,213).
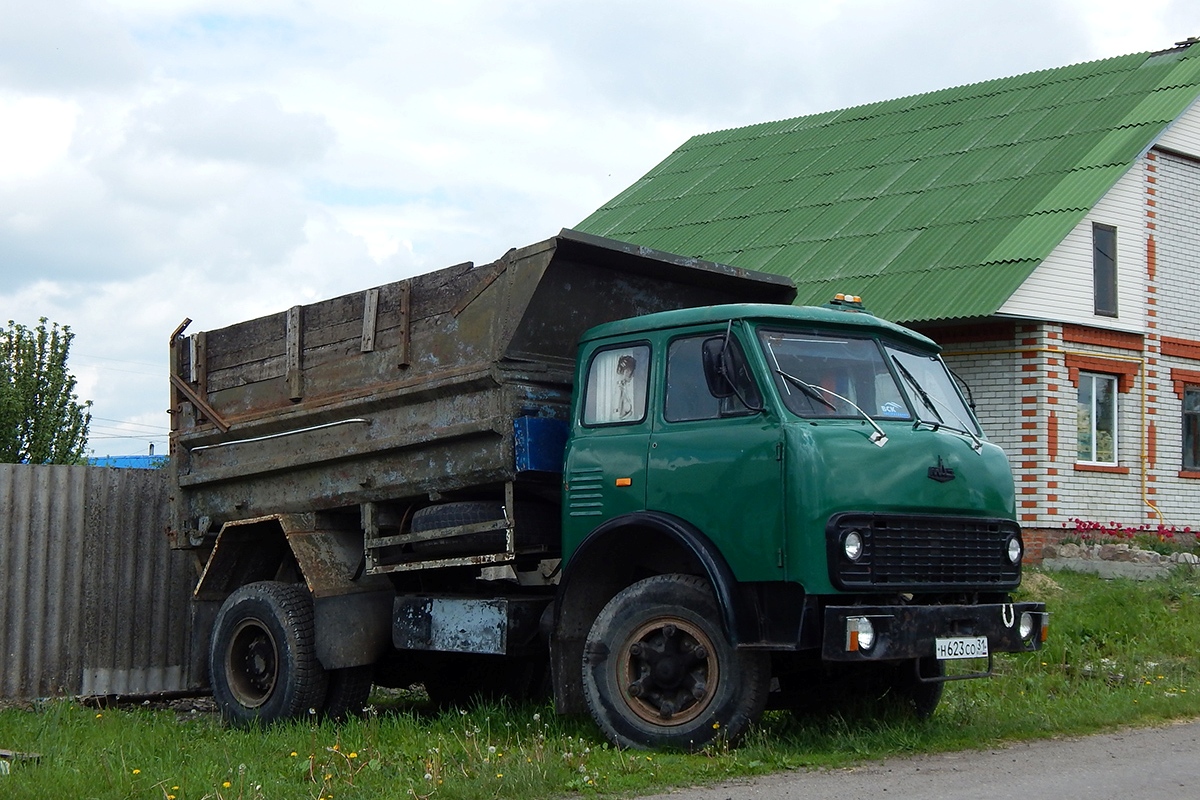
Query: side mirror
(718,367)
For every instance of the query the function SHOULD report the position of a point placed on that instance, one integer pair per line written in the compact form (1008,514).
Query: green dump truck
(645,484)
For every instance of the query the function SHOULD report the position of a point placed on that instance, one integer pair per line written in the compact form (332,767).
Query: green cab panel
(832,467)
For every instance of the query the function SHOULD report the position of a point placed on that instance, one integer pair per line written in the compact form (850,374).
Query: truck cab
(815,482)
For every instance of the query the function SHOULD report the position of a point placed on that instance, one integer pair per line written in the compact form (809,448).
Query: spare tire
(537,526)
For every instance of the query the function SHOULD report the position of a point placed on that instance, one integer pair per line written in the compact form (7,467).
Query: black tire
(658,671)
(911,695)
(347,692)
(537,526)
(262,663)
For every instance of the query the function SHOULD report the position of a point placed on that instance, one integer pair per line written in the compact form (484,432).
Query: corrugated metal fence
(92,599)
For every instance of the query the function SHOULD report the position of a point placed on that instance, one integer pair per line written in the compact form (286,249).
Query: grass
(1120,653)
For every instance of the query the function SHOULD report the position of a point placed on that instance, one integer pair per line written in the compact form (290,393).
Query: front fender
(618,553)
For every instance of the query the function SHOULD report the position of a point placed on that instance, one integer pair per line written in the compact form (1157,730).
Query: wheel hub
(668,671)
(252,663)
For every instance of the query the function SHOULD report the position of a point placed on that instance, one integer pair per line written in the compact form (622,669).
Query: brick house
(1044,228)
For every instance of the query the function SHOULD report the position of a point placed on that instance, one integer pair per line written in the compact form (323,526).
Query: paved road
(1142,764)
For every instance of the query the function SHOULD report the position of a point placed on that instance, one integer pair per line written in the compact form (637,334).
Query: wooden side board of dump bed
(410,389)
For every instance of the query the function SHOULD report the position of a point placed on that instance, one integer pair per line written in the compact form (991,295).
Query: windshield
(832,376)
(933,392)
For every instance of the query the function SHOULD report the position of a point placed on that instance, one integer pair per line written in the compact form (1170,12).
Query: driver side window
(688,397)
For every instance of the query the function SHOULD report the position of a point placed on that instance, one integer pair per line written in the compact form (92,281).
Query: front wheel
(659,672)
(263,664)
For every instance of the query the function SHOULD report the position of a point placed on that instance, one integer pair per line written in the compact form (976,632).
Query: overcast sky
(221,160)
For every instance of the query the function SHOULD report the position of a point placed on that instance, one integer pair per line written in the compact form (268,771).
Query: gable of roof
(934,206)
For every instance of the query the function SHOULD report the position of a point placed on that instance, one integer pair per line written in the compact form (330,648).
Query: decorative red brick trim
(1110,468)
(1181,348)
(1052,437)
(1183,378)
(1151,444)
(1121,340)
(1151,255)
(1185,473)
(1125,371)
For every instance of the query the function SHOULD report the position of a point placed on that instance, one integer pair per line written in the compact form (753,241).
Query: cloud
(252,129)
(190,179)
(65,46)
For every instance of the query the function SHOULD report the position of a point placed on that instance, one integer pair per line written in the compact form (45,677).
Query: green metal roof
(935,206)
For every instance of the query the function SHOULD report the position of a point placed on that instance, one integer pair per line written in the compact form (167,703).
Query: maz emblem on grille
(941,473)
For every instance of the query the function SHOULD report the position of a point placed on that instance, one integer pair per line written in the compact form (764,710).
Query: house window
(1097,418)
(1191,428)
(1104,269)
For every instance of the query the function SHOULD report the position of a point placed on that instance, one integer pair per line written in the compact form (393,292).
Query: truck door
(605,471)
(716,462)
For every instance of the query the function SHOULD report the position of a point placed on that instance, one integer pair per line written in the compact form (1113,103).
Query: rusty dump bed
(409,390)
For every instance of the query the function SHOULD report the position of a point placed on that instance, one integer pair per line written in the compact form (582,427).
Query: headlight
(866,634)
(852,545)
(1026,629)
(860,634)
(1014,550)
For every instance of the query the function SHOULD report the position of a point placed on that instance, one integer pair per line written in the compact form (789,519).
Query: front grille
(917,552)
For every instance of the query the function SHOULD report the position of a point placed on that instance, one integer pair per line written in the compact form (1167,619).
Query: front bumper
(910,631)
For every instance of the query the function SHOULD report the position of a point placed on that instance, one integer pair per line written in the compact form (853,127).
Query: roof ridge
(837,113)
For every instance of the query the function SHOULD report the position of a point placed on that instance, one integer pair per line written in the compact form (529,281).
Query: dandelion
(428,776)
(499,774)
(716,725)
(226,785)
(352,755)
(137,772)
(294,754)
(537,717)
(491,749)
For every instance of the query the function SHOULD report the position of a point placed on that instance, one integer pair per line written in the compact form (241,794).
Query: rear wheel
(659,672)
(348,690)
(262,663)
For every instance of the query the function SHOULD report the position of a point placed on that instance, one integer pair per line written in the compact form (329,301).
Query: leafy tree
(41,419)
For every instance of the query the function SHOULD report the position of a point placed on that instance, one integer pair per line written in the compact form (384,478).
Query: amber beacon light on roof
(847,302)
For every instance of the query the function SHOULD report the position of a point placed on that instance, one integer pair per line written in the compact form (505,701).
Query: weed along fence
(93,601)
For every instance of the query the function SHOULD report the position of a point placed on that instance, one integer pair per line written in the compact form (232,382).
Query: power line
(136,424)
(120,360)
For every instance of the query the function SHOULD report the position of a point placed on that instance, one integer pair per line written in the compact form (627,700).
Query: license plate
(961,647)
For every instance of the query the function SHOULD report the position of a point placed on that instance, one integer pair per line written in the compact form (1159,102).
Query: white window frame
(1088,382)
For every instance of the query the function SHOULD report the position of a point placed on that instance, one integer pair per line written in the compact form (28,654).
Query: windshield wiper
(878,438)
(812,391)
(920,390)
(929,401)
